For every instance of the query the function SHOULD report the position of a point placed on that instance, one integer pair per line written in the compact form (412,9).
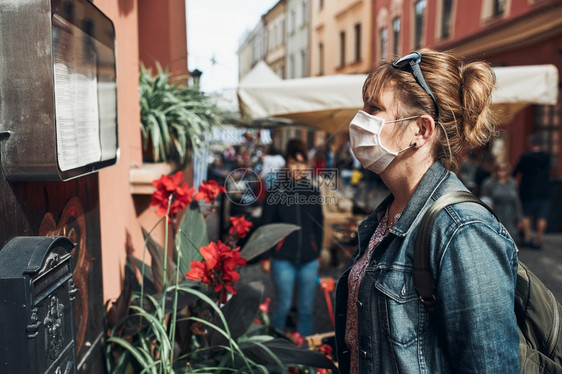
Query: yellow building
(340,40)
(275,31)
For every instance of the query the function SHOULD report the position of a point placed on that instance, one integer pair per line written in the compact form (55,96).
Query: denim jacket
(474,266)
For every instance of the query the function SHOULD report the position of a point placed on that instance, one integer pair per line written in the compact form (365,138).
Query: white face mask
(365,136)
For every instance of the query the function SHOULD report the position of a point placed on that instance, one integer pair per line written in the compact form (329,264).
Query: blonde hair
(462,90)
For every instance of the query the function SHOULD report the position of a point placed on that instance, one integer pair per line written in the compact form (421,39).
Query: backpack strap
(423,278)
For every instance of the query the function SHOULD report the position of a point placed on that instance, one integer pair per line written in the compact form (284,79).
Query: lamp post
(196,76)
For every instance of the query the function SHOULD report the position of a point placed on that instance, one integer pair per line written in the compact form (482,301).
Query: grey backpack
(537,311)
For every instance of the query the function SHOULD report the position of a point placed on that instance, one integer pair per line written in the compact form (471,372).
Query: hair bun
(477,83)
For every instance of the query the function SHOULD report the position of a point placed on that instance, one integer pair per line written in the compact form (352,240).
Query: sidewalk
(546,263)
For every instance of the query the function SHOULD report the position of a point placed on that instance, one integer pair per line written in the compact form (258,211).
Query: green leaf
(286,352)
(241,310)
(166,106)
(191,236)
(142,357)
(265,237)
(157,253)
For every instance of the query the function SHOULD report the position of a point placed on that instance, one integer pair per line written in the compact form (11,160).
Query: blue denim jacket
(474,265)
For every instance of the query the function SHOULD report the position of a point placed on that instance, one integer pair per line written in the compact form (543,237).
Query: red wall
(162,34)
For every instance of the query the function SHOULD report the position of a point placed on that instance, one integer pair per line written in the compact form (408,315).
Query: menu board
(76,58)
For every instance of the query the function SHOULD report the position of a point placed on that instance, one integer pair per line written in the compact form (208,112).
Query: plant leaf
(265,237)
(147,279)
(286,352)
(157,253)
(241,310)
(191,236)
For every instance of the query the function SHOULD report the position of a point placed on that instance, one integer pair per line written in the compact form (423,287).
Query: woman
(501,191)
(295,199)
(420,113)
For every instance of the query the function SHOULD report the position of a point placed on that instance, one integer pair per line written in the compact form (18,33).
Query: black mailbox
(36,306)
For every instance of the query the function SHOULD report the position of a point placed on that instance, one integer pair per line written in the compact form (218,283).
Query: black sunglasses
(411,62)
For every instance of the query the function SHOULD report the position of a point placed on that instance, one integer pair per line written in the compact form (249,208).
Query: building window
(292,22)
(321,59)
(383,42)
(446,18)
(499,7)
(419,26)
(395,36)
(358,42)
(321,4)
(547,123)
(304,13)
(342,49)
(291,67)
(304,72)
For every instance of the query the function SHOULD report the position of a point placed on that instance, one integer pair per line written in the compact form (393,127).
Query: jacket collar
(427,189)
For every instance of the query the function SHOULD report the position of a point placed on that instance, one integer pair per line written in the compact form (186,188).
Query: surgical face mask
(365,136)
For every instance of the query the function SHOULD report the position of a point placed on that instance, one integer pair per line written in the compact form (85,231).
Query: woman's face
(392,136)
(296,166)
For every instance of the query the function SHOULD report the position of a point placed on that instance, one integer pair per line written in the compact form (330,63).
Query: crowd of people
(518,196)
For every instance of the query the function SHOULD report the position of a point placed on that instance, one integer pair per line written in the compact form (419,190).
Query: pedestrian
(419,114)
(534,167)
(272,162)
(294,199)
(501,191)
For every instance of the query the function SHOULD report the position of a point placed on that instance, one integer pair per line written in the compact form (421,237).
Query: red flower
(218,268)
(209,191)
(264,307)
(297,339)
(171,185)
(240,227)
(326,349)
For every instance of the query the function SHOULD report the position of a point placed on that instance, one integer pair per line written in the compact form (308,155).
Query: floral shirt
(354,281)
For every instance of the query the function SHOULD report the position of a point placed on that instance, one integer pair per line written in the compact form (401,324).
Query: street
(546,263)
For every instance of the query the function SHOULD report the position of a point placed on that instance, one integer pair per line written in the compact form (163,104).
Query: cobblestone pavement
(546,262)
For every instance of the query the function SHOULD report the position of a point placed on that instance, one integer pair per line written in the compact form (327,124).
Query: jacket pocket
(401,314)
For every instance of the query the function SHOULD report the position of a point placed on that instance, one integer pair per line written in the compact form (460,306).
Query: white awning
(329,102)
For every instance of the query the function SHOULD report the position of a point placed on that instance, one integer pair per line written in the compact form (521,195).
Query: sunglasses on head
(411,62)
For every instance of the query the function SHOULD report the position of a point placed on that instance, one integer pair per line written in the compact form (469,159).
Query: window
(321,59)
(321,4)
(395,36)
(499,7)
(383,42)
(342,49)
(304,13)
(358,42)
(304,72)
(547,123)
(292,22)
(446,18)
(291,72)
(420,11)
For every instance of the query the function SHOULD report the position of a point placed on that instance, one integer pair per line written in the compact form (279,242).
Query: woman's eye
(370,108)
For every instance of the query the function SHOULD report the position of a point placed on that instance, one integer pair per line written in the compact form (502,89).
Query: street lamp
(196,76)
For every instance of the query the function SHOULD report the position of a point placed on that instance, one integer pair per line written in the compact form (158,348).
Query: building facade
(340,36)
(252,49)
(297,38)
(275,24)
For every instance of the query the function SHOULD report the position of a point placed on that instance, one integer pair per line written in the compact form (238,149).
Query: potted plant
(175,118)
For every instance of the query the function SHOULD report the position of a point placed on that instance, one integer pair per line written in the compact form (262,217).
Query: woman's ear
(425,130)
